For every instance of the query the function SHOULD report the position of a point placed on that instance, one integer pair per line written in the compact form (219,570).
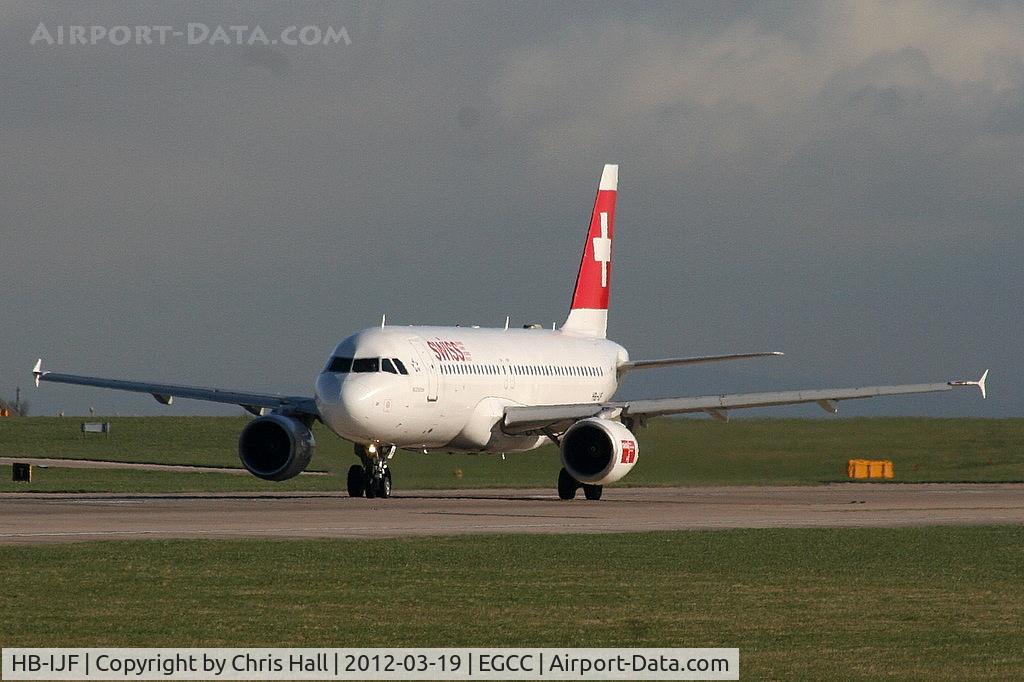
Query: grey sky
(840,181)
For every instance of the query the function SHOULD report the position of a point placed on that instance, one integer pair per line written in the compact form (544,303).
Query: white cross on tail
(603,249)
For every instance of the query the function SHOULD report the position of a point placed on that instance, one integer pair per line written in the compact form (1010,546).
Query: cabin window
(340,365)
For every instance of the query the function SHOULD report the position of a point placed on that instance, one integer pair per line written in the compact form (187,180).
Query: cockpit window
(366,365)
(346,365)
(341,365)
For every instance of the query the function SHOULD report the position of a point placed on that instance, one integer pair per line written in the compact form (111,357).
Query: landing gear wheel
(356,481)
(592,492)
(567,485)
(384,484)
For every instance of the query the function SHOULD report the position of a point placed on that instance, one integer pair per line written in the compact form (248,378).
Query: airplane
(474,390)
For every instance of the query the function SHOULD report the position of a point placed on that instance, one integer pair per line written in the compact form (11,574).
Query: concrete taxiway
(138,466)
(32,518)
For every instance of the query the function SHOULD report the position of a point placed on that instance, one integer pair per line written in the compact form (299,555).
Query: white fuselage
(449,388)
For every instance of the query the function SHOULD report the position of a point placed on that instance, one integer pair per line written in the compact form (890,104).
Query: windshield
(339,365)
(345,365)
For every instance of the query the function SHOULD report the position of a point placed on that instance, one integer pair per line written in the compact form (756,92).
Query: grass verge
(672,452)
(924,603)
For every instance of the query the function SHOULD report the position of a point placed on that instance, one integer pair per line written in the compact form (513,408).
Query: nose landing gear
(373,477)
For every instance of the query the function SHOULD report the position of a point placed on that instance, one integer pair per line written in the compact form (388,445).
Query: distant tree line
(11,408)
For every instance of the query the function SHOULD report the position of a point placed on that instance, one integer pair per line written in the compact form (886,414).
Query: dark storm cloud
(840,181)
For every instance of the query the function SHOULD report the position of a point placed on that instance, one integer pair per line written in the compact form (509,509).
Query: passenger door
(424,370)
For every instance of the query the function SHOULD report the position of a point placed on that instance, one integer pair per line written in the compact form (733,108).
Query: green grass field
(918,603)
(672,452)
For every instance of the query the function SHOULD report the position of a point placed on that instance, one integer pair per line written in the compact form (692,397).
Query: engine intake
(276,447)
(598,451)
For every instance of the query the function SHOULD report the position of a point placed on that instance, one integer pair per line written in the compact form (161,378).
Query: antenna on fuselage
(383,319)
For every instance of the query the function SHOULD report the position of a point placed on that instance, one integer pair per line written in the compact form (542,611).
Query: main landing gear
(372,478)
(567,487)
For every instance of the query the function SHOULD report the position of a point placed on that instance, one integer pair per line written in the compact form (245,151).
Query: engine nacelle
(598,451)
(276,447)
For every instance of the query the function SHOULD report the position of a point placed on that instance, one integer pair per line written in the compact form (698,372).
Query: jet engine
(276,447)
(598,451)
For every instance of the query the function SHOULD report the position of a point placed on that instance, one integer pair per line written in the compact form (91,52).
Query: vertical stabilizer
(588,314)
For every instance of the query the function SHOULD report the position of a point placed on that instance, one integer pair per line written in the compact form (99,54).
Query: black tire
(592,492)
(384,485)
(356,481)
(567,485)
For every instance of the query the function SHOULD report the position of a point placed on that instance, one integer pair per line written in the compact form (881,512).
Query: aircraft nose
(355,396)
(328,388)
(353,409)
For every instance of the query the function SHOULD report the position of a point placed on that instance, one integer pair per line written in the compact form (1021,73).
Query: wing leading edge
(670,362)
(557,418)
(165,393)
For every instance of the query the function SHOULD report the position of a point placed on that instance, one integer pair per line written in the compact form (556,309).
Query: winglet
(37,371)
(980,383)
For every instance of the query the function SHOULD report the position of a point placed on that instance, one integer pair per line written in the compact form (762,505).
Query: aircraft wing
(557,418)
(165,393)
(669,362)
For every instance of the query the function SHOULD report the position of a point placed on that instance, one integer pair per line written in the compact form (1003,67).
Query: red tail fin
(589,311)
